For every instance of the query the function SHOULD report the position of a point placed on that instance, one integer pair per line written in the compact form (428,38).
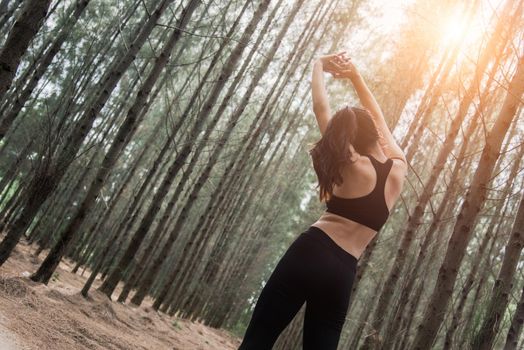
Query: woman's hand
(329,62)
(339,66)
(343,68)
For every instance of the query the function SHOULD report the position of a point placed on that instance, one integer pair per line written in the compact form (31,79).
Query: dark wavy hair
(349,125)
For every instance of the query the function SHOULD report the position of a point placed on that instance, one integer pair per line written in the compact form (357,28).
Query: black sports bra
(369,210)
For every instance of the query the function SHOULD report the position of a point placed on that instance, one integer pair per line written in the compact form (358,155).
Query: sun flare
(454,28)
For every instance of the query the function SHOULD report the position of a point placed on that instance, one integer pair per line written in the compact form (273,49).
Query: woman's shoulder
(359,163)
(399,167)
(398,174)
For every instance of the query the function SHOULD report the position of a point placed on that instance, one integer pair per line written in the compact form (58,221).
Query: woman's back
(360,178)
(362,203)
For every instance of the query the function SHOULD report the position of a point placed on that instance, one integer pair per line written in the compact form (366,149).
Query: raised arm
(391,148)
(318,88)
(320,98)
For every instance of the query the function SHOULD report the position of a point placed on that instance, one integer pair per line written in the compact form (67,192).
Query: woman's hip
(323,243)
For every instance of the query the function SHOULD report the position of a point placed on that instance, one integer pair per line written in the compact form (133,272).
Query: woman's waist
(350,235)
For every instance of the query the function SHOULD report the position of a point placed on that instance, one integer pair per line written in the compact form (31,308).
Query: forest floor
(56,316)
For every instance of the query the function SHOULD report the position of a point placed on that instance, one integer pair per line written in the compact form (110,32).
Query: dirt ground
(56,316)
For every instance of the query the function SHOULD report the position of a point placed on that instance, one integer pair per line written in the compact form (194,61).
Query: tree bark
(125,132)
(484,338)
(23,31)
(20,98)
(415,219)
(475,197)
(51,174)
(515,328)
(110,283)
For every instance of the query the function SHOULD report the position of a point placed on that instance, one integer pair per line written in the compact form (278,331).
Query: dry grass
(56,316)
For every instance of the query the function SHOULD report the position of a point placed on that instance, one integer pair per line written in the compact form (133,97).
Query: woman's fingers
(334,64)
(328,66)
(344,56)
(337,57)
(340,65)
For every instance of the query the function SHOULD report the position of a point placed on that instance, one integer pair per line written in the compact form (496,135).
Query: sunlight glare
(454,28)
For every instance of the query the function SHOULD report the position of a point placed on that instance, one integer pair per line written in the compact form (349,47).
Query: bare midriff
(351,236)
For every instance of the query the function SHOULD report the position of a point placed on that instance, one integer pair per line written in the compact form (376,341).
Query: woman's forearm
(368,101)
(318,87)
(320,97)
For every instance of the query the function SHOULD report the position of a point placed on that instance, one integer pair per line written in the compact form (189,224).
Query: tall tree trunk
(110,283)
(22,96)
(23,31)
(415,219)
(481,255)
(262,68)
(484,338)
(455,182)
(139,235)
(49,175)
(125,132)
(475,197)
(515,328)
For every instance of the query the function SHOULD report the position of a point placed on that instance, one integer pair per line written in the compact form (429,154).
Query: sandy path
(56,317)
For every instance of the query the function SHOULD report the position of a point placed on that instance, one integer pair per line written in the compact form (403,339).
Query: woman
(361,170)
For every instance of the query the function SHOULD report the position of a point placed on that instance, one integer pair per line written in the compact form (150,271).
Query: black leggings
(315,270)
